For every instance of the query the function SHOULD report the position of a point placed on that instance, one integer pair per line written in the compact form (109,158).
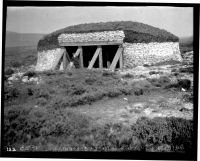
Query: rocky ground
(157,104)
(98,109)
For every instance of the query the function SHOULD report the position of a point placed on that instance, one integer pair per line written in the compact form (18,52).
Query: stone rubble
(19,77)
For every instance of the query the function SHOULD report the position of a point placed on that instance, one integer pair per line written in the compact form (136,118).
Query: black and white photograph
(97,78)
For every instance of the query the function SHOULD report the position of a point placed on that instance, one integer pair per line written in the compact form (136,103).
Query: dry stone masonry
(94,36)
(134,54)
(47,60)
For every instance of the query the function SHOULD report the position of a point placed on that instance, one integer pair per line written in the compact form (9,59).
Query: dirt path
(127,109)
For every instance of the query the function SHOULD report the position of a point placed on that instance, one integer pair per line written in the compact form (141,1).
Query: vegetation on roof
(135,32)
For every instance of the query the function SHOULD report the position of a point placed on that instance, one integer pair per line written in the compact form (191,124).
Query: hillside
(186,44)
(134,32)
(14,39)
(186,40)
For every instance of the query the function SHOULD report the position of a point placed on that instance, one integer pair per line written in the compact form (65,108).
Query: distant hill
(186,44)
(186,40)
(14,39)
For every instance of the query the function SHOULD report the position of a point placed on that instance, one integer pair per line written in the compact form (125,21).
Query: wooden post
(100,58)
(81,57)
(116,58)
(94,58)
(121,60)
(64,60)
(108,64)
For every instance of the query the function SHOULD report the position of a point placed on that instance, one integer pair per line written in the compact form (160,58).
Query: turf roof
(135,32)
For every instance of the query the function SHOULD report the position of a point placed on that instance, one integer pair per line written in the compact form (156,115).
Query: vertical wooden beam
(94,58)
(108,64)
(64,60)
(121,60)
(81,57)
(116,58)
(100,58)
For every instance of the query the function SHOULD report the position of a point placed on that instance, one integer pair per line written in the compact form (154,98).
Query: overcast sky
(177,20)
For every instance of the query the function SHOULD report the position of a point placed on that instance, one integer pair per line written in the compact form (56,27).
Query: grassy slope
(37,115)
(134,32)
(18,56)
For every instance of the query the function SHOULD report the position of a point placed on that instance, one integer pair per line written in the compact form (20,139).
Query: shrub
(175,132)
(30,74)
(154,82)
(78,91)
(153,72)
(186,70)
(25,124)
(113,92)
(52,72)
(69,73)
(169,62)
(174,70)
(155,131)
(175,74)
(163,81)
(90,81)
(128,75)
(42,101)
(138,92)
(15,64)
(42,92)
(188,97)
(184,83)
(11,92)
(146,65)
(126,90)
(107,73)
(182,133)
(9,71)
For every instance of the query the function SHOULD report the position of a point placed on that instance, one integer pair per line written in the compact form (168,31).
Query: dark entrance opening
(88,53)
(70,50)
(108,52)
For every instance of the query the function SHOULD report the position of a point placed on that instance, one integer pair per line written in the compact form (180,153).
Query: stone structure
(107,36)
(47,60)
(136,54)
(133,54)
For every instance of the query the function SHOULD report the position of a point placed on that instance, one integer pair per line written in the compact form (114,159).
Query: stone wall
(47,60)
(93,36)
(136,54)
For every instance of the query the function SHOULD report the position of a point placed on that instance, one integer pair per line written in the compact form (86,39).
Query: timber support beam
(118,56)
(96,54)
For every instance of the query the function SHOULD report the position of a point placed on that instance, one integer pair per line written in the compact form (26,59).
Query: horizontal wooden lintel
(92,43)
